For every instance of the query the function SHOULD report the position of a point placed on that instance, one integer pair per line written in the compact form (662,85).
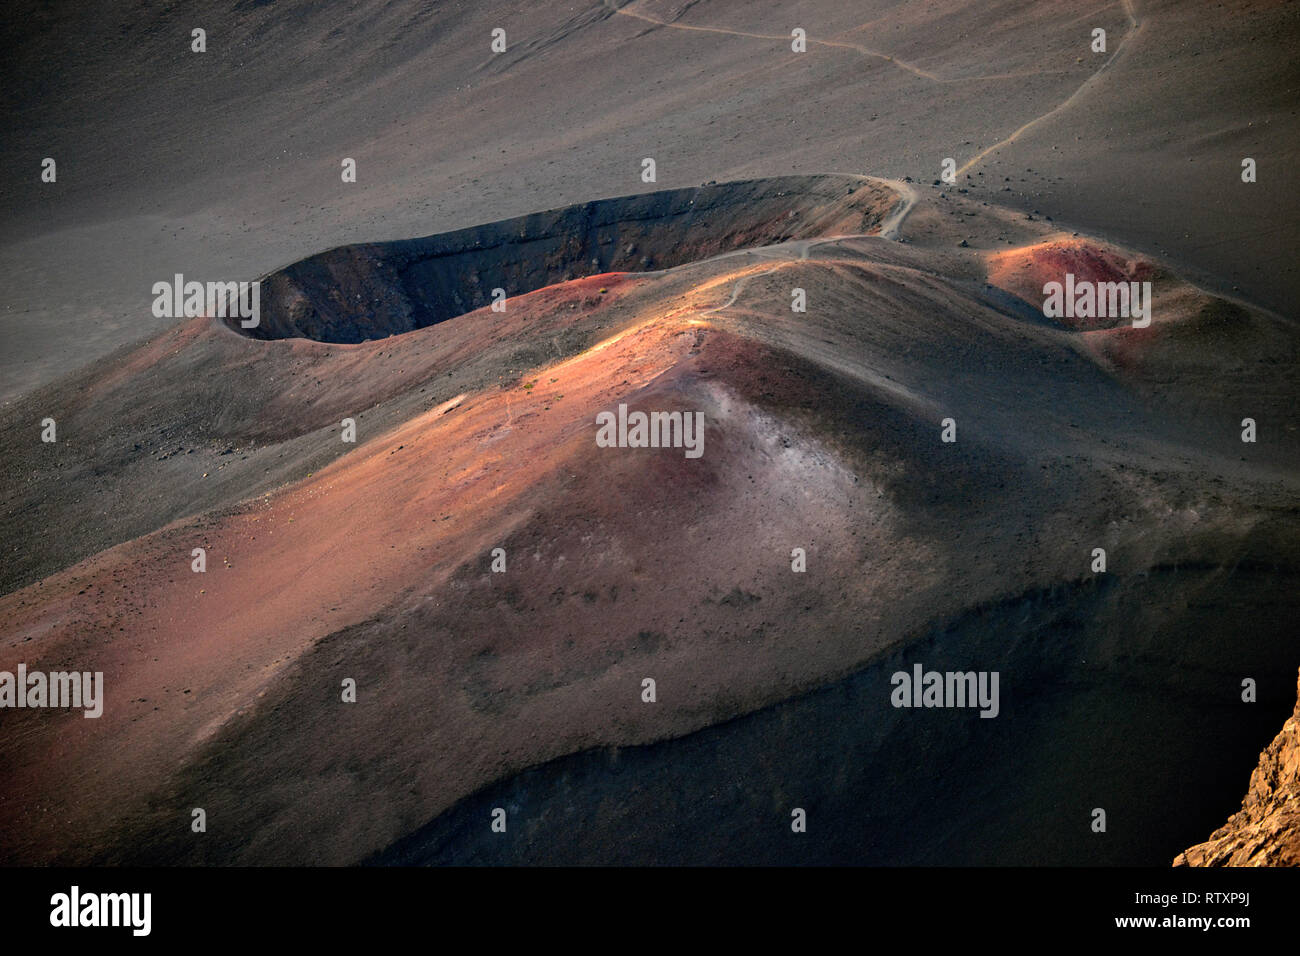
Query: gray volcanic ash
(372,563)
(422,543)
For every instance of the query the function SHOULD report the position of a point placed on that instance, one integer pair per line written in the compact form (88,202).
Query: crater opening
(369,291)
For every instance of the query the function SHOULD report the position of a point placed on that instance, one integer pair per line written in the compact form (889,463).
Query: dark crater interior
(372,290)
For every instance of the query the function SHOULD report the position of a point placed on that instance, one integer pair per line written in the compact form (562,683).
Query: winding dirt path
(889,229)
(1133,28)
(865,51)
(832,44)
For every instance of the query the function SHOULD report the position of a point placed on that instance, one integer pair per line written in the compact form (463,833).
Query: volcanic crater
(368,291)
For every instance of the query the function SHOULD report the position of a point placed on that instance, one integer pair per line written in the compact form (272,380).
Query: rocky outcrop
(1266,831)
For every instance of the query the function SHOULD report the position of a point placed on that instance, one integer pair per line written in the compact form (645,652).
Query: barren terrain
(330,561)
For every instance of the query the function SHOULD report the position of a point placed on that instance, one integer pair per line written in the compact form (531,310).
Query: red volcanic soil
(328,562)
(1193,337)
(1025,271)
(396,536)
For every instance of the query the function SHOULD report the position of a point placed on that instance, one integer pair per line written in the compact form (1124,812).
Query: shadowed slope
(822,433)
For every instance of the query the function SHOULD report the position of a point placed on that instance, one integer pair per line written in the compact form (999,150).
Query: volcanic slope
(232,162)
(329,563)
